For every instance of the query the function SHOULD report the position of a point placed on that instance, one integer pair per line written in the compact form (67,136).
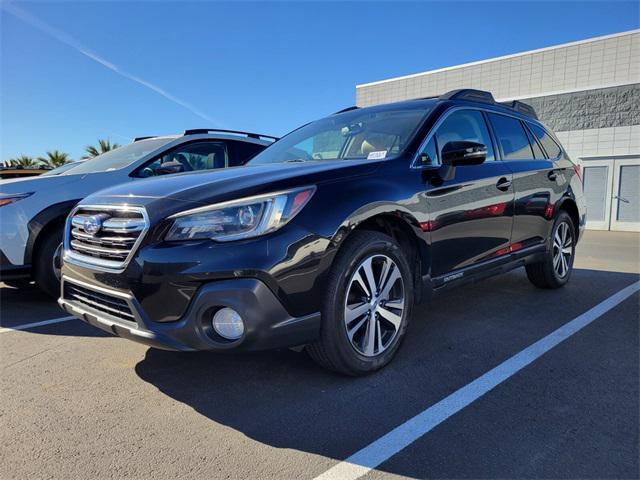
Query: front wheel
(48,260)
(555,270)
(367,306)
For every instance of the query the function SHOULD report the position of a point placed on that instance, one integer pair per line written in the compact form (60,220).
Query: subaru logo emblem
(92,224)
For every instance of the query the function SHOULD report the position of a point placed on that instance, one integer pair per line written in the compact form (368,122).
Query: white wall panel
(588,64)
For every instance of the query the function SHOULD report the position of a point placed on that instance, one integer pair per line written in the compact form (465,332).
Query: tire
(349,347)
(548,273)
(44,272)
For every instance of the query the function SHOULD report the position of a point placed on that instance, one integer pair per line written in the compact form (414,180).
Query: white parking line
(402,436)
(36,324)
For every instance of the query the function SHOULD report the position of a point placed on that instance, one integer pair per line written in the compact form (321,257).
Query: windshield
(371,133)
(120,157)
(61,169)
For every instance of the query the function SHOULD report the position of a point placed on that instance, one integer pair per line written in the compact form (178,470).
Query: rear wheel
(48,262)
(366,307)
(555,270)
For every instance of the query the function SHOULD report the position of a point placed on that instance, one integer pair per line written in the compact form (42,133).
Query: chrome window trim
(445,115)
(99,264)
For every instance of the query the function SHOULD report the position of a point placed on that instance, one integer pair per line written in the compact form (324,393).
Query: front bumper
(9,271)
(267,323)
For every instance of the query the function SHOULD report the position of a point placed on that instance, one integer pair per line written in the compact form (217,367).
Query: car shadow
(282,399)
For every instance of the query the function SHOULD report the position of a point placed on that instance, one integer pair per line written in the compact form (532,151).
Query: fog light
(228,323)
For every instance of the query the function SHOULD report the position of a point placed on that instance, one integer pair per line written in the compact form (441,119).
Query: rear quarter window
(550,146)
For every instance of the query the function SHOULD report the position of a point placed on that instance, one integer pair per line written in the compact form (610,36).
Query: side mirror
(147,172)
(168,168)
(463,153)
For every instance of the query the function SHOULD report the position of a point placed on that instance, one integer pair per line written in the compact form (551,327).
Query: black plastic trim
(267,323)
(9,271)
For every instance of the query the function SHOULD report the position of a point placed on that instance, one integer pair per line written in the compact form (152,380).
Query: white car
(33,210)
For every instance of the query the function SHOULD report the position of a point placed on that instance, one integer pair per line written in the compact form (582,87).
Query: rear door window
(511,137)
(548,143)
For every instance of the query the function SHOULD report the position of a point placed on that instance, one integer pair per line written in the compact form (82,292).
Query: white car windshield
(64,168)
(120,157)
(372,133)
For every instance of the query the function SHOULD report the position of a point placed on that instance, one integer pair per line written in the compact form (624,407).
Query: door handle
(552,175)
(503,184)
(622,199)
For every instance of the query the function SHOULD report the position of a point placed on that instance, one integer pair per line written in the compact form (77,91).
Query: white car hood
(36,184)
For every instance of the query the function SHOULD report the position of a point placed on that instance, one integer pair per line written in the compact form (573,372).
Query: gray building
(588,92)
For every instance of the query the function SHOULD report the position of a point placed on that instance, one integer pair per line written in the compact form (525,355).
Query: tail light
(578,169)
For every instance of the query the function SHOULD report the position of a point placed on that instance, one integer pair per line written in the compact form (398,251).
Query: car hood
(164,196)
(35,184)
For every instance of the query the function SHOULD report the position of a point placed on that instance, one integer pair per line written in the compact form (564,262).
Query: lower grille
(102,302)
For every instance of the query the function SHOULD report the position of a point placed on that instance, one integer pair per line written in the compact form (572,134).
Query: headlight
(6,199)
(238,219)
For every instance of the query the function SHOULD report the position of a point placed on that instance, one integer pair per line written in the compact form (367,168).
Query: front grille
(104,236)
(102,302)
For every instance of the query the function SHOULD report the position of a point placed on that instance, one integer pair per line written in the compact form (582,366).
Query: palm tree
(103,147)
(55,159)
(23,161)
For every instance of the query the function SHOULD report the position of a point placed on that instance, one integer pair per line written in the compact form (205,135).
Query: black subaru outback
(329,236)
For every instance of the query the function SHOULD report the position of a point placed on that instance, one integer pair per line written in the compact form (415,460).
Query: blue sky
(72,71)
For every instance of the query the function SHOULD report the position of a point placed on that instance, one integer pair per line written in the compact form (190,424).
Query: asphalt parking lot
(77,403)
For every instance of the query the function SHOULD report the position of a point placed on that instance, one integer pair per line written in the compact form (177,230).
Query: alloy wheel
(562,249)
(374,305)
(57,262)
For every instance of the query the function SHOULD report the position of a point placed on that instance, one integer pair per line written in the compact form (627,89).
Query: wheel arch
(404,228)
(40,225)
(569,205)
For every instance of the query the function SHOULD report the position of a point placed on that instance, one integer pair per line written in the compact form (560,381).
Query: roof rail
(348,109)
(137,139)
(198,131)
(486,97)
(468,94)
(521,107)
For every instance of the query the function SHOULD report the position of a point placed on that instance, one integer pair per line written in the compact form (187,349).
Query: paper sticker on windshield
(377,155)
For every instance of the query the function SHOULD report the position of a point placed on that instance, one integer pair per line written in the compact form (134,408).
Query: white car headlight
(239,219)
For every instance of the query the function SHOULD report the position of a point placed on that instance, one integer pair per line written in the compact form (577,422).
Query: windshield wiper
(295,160)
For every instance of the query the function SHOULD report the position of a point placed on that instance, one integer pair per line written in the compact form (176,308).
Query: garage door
(612,192)
(626,200)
